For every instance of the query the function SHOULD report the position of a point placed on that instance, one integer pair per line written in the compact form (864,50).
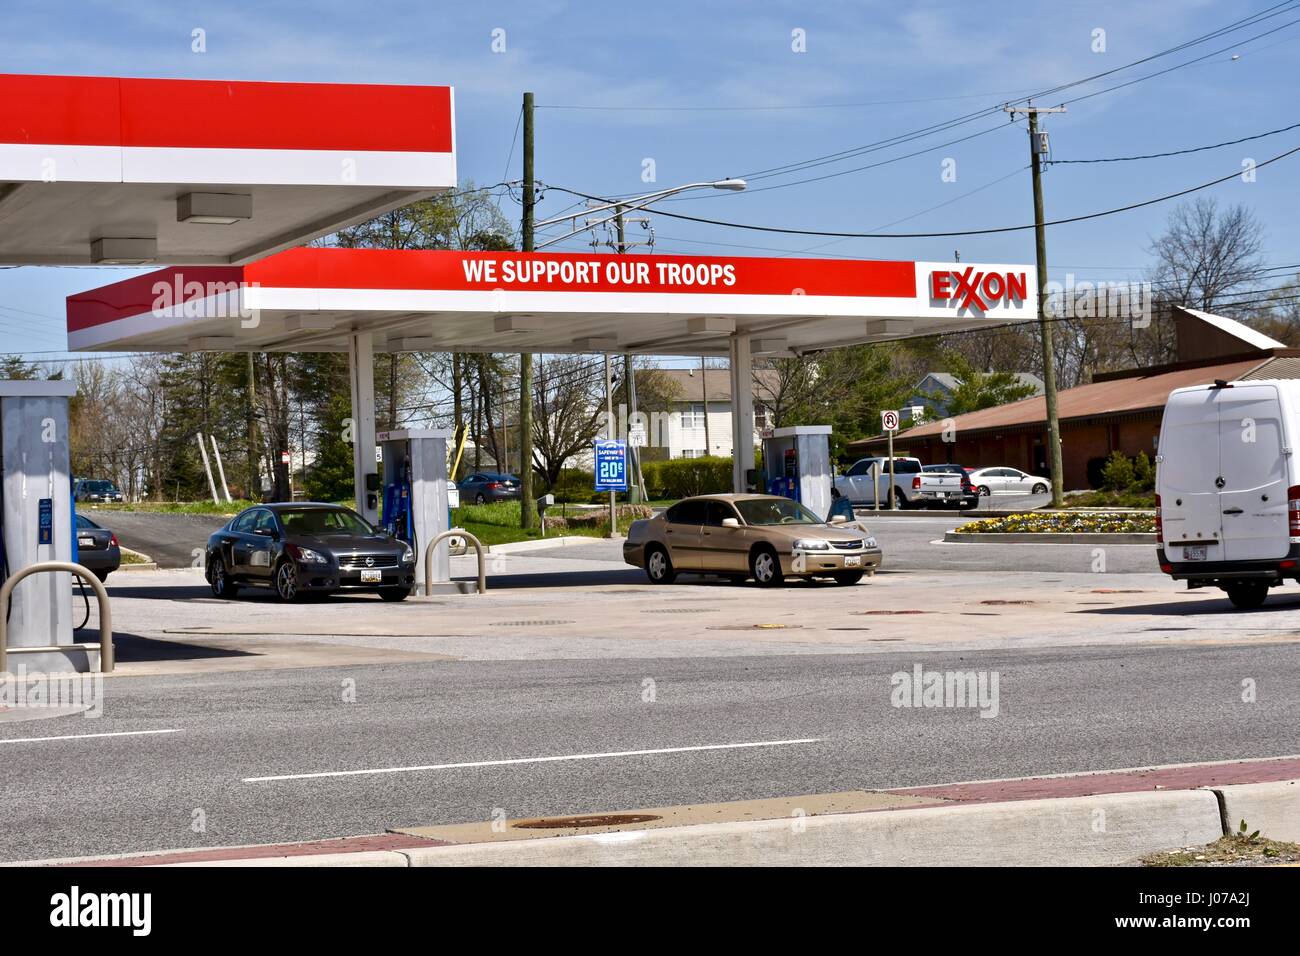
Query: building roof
(1112,397)
(950,382)
(1238,330)
(690,386)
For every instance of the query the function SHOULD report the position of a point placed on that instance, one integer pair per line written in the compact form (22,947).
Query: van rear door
(1188,466)
(1252,473)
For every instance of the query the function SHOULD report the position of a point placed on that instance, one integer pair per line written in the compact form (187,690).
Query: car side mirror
(730,523)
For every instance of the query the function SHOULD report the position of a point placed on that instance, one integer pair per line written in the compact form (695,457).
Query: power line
(1176,152)
(963,232)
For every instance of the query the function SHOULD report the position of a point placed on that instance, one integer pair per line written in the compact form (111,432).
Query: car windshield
(763,511)
(323,521)
(99,487)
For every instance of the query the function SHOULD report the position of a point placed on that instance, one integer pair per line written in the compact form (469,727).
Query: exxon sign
(972,289)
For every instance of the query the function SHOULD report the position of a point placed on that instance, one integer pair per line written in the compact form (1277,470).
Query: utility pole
(527,502)
(1038,147)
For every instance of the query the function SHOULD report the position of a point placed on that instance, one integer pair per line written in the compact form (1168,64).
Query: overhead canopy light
(517,323)
(219,209)
(112,251)
(769,346)
(710,325)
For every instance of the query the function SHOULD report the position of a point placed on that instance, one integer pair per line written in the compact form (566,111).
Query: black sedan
(97,548)
(483,487)
(306,548)
(90,489)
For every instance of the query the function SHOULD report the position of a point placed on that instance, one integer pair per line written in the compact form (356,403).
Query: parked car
(763,537)
(1228,488)
(97,548)
(95,489)
(969,496)
(297,549)
(483,487)
(867,482)
(1007,481)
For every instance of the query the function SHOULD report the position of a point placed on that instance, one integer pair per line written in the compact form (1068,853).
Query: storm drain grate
(679,610)
(999,602)
(595,820)
(543,623)
(754,627)
(887,611)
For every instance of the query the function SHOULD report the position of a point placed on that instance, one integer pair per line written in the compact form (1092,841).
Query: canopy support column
(361,376)
(742,411)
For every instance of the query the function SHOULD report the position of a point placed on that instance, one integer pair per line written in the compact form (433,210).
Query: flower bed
(1094,522)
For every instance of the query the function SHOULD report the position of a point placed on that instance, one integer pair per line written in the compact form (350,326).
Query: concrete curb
(1094,831)
(540,544)
(1049,537)
(146,566)
(362,858)
(1271,808)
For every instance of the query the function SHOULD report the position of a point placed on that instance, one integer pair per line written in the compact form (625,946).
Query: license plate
(852,561)
(86,542)
(1195,552)
(371,576)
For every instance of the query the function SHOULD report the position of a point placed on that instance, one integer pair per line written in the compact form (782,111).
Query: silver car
(1007,481)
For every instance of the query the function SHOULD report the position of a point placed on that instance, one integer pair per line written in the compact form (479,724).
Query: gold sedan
(749,536)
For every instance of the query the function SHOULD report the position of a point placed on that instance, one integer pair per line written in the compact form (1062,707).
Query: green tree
(976,389)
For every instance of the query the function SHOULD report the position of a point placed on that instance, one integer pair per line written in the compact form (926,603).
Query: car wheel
(1247,594)
(286,582)
(220,582)
(394,594)
(983,491)
(1039,489)
(765,568)
(479,499)
(658,566)
(845,578)
(900,501)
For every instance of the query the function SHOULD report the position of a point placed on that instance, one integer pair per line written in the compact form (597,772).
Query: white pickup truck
(868,482)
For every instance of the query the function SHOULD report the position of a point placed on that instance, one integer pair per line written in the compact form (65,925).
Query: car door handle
(1232,511)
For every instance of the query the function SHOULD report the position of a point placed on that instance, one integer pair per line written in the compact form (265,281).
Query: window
(717,512)
(693,415)
(692,453)
(244,523)
(324,521)
(691,512)
(768,511)
(861,468)
(760,417)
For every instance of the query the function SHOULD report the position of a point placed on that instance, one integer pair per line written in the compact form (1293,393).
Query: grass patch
(172,507)
(1237,849)
(498,522)
(1095,522)
(132,557)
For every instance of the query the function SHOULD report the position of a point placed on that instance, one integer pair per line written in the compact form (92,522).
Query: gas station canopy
(316,299)
(101,170)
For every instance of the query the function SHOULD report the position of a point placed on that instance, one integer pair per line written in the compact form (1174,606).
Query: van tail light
(1293,511)
(916,483)
(1160,525)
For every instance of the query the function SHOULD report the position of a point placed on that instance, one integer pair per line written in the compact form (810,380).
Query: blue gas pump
(397,519)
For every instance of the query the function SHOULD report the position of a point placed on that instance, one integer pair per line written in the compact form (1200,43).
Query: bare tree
(1206,253)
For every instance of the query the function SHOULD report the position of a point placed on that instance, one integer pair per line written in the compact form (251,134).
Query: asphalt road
(170,539)
(1059,710)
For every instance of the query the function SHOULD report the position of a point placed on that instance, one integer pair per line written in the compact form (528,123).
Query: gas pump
(797,464)
(415,506)
(37,523)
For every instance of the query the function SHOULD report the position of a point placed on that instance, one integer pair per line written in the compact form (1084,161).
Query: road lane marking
(523,760)
(119,733)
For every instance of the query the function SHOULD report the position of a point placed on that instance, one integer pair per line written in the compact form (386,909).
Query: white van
(1228,488)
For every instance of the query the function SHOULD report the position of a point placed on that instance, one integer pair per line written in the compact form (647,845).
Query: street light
(632,205)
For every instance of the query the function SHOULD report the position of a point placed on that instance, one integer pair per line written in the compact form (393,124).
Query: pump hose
(82,585)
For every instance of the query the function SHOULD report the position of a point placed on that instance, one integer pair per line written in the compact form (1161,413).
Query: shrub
(683,477)
(574,484)
(1117,474)
(1144,475)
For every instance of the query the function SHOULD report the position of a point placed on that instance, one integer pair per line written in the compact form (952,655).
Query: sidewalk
(1099,819)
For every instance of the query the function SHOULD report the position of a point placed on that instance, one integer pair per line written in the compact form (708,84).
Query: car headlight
(871,543)
(811,544)
(308,556)
(408,556)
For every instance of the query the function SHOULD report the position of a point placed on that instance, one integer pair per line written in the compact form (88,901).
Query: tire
(479,499)
(983,491)
(659,566)
(1247,594)
(846,578)
(394,594)
(900,501)
(765,568)
(1039,489)
(220,582)
(286,582)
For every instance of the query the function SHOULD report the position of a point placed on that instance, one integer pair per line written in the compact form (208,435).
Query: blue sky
(714,90)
